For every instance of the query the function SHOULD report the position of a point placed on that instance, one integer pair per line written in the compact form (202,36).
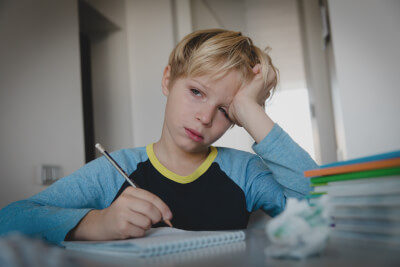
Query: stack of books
(363,196)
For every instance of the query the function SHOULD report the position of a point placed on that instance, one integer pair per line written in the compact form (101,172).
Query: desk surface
(251,253)
(21,251)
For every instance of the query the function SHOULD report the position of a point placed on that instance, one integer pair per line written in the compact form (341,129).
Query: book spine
(357,185)
(388,155)
(380,164)
(365,189)
(380,201)
(356,175)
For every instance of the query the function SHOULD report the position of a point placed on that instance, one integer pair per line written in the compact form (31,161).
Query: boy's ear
(165,80)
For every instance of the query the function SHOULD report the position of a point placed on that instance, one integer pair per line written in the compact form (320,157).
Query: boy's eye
(195,92)
(224,112)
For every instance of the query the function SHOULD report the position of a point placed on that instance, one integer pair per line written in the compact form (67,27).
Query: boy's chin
(196,148)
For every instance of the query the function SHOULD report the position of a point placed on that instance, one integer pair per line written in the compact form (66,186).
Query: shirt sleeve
(52,213)
(282,175)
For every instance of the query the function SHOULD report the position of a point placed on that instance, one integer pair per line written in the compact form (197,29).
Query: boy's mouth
(194,135)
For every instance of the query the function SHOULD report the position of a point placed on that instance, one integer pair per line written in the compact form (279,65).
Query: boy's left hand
(253,93)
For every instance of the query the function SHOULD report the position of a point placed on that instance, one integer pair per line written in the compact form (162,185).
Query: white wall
(276,24)
(267,22)
(40,93)
(318,81)
(182,19)
(223,14)
(150,41)
(366,41)
(110,78)
(127,67)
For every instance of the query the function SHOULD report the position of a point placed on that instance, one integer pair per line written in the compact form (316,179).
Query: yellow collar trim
(178,178)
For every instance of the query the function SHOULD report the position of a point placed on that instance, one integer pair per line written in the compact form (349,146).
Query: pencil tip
(168,223)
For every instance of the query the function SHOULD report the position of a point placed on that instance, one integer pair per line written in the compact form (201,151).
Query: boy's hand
(251,93)
(130,215)
(247,107)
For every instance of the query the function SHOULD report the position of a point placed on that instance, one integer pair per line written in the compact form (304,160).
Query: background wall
(366,41)
(275,24)
(110,75)
(40,93)
(318,81)
(150,39)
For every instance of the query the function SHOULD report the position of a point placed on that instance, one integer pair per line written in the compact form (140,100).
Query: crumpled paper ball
(299,231)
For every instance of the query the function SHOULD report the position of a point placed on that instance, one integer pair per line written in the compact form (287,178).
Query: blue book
(388,155)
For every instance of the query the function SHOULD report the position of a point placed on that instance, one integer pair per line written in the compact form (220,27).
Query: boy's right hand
(130,215)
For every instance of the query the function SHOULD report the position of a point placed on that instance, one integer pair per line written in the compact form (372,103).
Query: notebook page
(160,241)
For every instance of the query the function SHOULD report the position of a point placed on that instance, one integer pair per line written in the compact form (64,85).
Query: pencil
(122,172)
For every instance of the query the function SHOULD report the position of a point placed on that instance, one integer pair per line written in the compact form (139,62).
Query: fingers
(271,78)
(270,82)
(132,213)
(131,225)
(149,204)
(257,68)
(255,92)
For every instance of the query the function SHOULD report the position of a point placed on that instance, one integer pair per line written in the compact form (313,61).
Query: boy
(214,78)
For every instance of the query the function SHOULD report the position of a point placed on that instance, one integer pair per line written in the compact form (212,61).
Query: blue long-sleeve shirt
(220,194)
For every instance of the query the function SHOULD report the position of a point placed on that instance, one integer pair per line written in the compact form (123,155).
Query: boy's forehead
(231,78)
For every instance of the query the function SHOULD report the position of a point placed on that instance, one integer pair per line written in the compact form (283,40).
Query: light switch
(50,174)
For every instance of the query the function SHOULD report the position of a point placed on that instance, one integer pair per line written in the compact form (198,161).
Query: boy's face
(196,110)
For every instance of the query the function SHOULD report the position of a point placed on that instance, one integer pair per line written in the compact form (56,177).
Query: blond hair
(216,52)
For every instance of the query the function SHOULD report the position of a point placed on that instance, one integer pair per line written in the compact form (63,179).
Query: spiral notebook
(159,241)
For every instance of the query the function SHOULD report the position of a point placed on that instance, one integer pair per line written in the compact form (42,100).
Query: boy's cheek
(222,128)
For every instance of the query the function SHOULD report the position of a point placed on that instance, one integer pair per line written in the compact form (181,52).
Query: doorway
(92,27)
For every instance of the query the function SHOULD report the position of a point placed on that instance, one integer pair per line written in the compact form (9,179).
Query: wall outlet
(50,174)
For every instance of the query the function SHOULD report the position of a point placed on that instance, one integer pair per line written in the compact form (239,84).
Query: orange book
(364,166)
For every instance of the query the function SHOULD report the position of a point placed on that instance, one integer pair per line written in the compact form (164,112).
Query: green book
(356,175)
(321,184)
(312,193)
(310,196)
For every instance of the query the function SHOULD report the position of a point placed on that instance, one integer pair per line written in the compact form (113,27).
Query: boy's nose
(206,116)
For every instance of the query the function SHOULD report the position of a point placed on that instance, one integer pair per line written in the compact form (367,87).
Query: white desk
(251,253)
(19,251)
